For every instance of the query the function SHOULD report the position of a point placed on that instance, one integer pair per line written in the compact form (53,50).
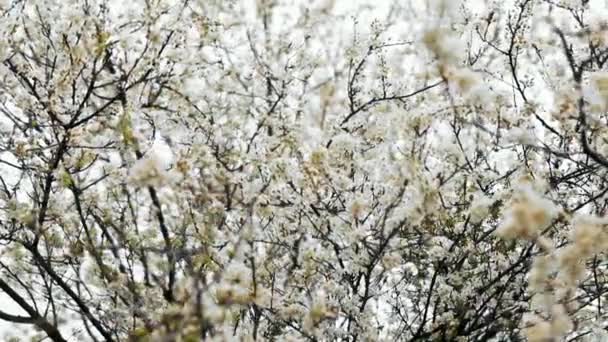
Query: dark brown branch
(35,318)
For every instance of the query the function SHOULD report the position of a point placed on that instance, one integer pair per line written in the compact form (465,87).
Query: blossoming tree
(185,170)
